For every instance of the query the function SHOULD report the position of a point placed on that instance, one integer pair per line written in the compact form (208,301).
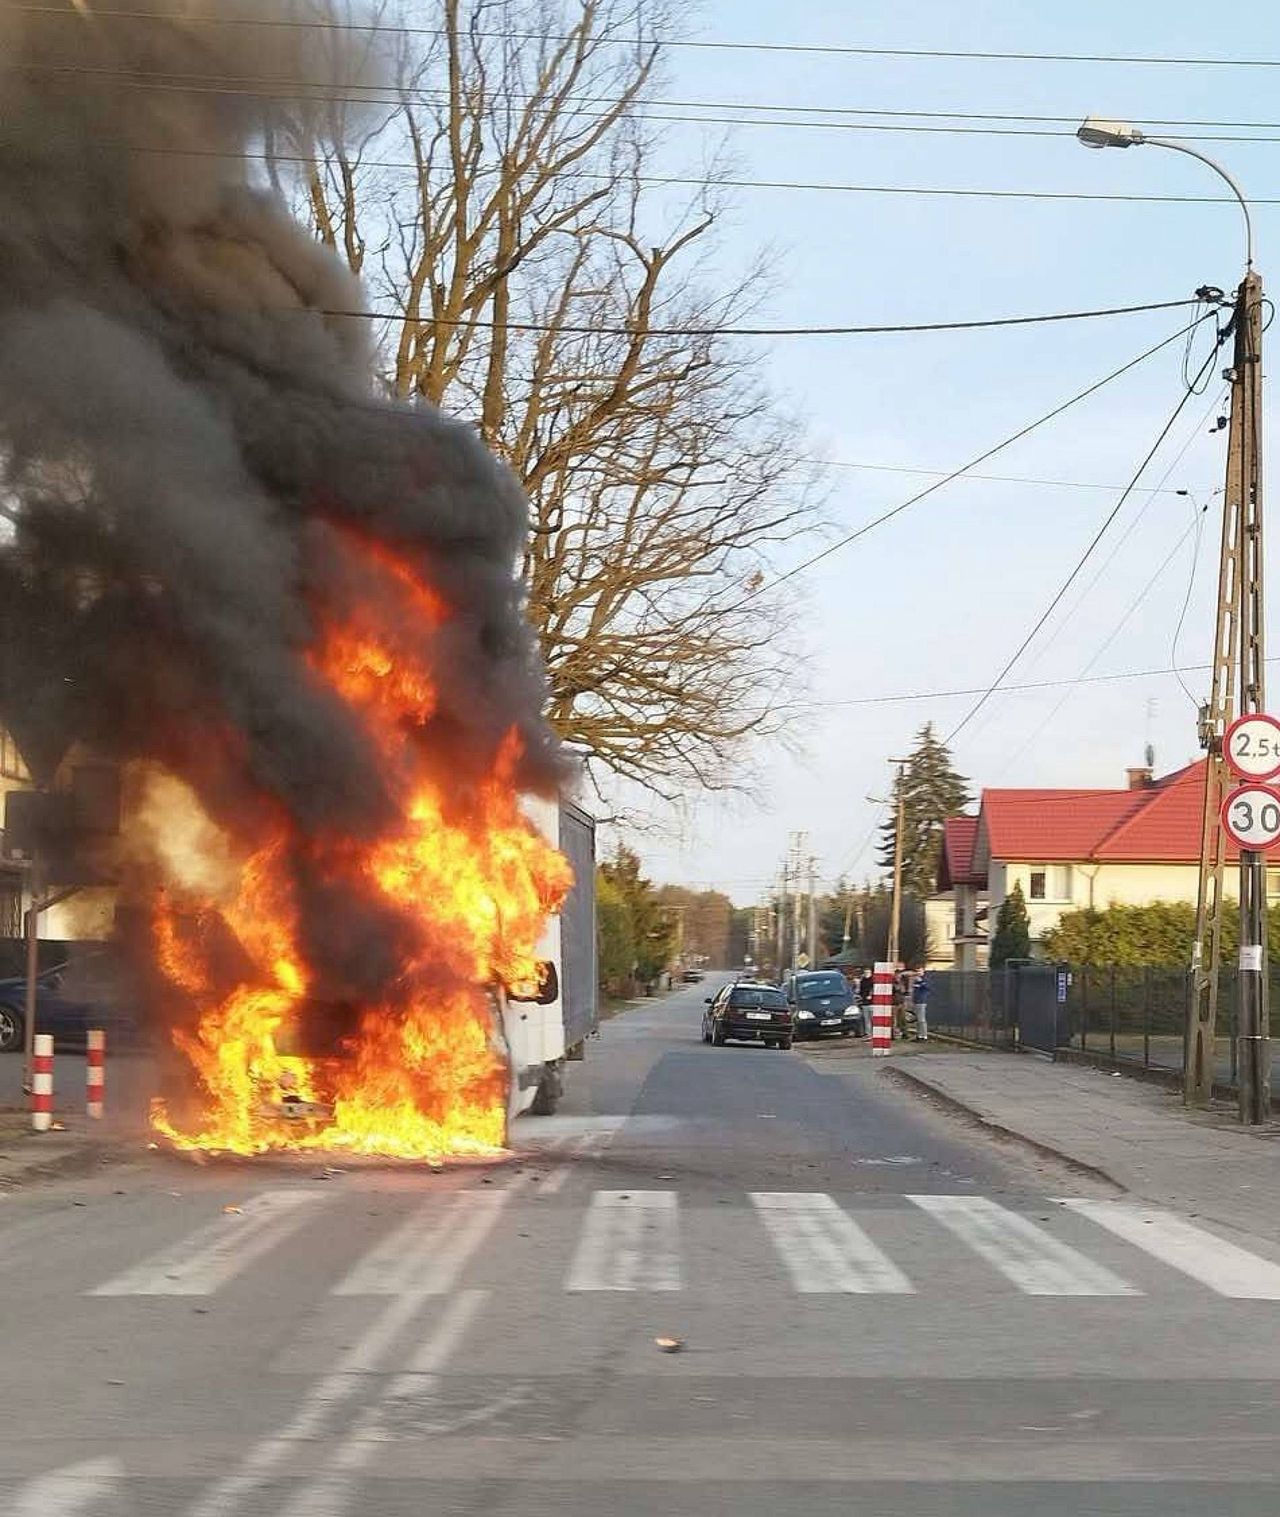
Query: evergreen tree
(931,791)
(1012,938)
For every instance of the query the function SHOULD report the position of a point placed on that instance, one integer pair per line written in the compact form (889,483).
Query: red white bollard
(42,1082)
(882,1011)
(95,1073)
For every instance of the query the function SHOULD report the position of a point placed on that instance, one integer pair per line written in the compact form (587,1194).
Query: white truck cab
(542,1034)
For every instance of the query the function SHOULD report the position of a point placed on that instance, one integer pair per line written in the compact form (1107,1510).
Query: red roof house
(1070,849)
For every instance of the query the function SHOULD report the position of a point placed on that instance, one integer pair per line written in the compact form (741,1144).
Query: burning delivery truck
(289,608)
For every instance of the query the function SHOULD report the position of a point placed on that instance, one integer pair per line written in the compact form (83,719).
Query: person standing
(920,1002)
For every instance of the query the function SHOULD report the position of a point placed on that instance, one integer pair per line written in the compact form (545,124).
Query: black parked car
(823,1005)
(747,1013)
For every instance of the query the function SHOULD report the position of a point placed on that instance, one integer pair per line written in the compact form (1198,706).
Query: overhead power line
(711,44)
(352,92)
(915,697)
(885,516)
(595,329)
(817,186)
(1078,568)
(1003,479)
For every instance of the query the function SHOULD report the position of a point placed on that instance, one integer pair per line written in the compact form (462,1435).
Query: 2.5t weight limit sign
(1251,746)
(1251,817)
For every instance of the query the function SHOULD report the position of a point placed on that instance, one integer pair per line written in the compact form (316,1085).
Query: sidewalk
(1138,1135)
(76,1146)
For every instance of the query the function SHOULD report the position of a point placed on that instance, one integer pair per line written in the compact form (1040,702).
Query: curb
(21,1165)
(921,1086)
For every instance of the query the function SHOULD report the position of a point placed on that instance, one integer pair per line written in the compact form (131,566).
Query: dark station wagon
(744,1012)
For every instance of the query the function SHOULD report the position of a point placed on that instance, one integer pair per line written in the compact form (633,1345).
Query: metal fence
(973,1005)
(1122,1016)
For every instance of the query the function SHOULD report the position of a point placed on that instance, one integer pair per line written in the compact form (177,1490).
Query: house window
(1049,882)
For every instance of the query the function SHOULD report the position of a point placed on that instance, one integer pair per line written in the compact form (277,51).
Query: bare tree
(499,199)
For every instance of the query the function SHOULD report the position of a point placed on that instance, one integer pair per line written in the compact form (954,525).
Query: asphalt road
(881,1312)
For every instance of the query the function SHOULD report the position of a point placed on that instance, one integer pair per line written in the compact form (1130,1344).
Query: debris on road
(669,1345)
(232,1211)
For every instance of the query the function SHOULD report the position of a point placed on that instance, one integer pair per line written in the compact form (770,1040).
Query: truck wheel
(550,1089)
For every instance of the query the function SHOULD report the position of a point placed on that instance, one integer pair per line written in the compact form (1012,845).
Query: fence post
(1112,1034)
(1146,1017)
(1084,1009)
(42,1082)
(95,1073)
(882,1010)
(1232,1030)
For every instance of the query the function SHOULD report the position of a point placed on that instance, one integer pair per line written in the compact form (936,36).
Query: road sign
(1251,817)
(1251,746)
(802,959)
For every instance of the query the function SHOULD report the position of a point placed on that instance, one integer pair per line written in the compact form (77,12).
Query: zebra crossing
(640,1241)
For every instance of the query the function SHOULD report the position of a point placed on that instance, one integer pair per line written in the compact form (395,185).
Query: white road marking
(1222,1266)
(329,1494)
(824,1250)
(1032,1259)
(427,1254)
(344,1383)
(630,1241)
(587,1147)
(65,1492)
(216,1253)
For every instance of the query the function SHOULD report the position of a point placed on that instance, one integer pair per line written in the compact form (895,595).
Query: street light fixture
(1096,132)
(1237,686)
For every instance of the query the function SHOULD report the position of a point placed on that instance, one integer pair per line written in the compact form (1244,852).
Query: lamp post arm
(1181,147)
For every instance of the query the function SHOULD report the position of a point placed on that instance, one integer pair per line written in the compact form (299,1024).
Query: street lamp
(1238,635)
(1095,132)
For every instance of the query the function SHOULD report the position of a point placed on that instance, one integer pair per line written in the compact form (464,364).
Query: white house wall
(1096,885)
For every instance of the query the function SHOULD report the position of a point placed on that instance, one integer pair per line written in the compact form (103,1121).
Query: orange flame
(422,1073)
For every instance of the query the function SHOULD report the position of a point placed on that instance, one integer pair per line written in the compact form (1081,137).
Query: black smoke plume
(188,442)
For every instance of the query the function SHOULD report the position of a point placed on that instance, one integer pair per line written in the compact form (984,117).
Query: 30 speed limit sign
(1251,746)
(1251,817)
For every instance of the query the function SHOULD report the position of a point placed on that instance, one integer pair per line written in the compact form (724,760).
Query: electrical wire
(692,182)
(1128,532)
(885,516)
(1197,517)
(893,328)
(917,696)
(322,92)
(1088,552)
(1002,479)
(1102,648)
(683,44)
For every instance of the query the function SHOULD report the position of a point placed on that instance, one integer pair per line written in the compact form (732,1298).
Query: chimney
(1139,778)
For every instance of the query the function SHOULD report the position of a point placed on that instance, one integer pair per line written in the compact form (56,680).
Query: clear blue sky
(938,598)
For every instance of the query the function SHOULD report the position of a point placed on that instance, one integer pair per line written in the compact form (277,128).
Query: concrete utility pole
(1238,657)
(895,910)
(796,928)
(813,913)
(1238,652)
(1254,1062)
(782,922)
